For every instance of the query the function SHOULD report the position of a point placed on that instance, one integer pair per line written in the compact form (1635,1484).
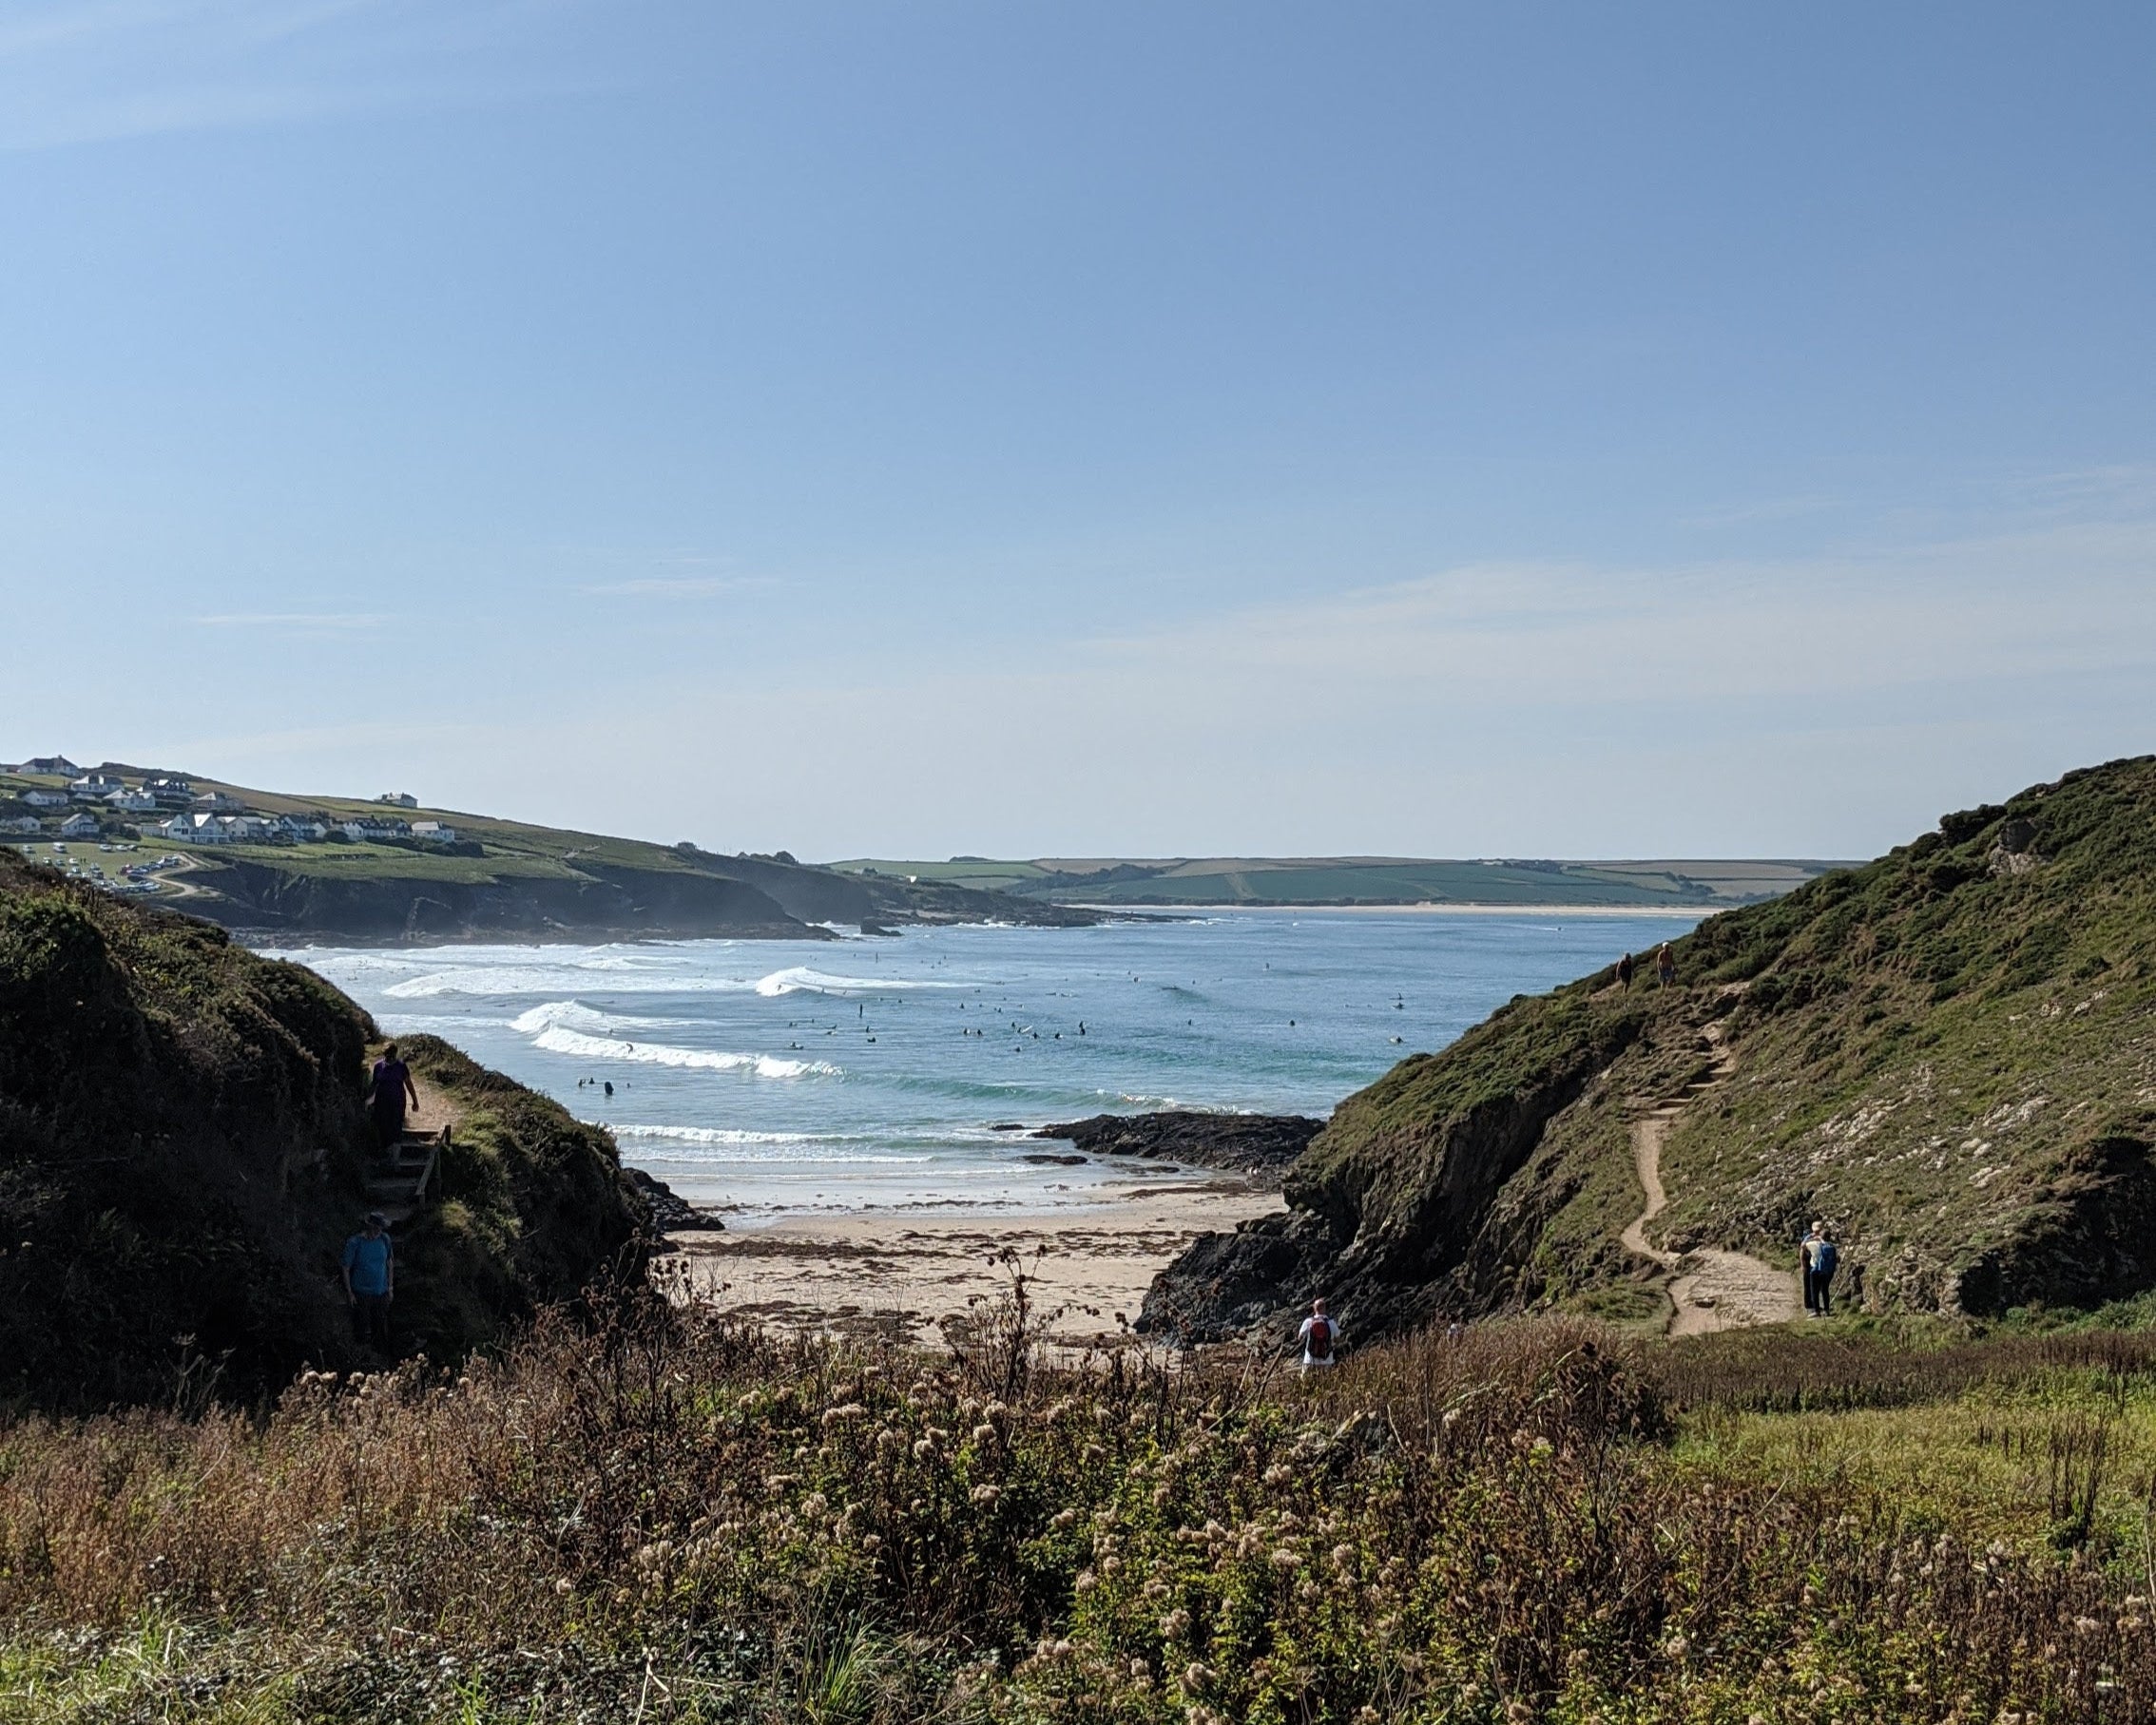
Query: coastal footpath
(1946,1054)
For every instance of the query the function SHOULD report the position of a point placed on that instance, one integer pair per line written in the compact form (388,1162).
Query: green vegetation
(1362,880)
(666,1518)
(1946,1053)
(183,1152)
(510,879)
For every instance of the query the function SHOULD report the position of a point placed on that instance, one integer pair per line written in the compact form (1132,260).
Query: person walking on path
(370,1280)
(1808,1266)
(388,1091)
(1624,968)
(1318,1336)
(1665,967)
(1826,1255)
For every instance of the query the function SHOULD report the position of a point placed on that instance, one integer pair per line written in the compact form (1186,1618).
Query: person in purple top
(386,1092)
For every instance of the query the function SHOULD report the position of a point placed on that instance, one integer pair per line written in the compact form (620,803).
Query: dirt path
(1709,1289)
(433,1112)
(174,878)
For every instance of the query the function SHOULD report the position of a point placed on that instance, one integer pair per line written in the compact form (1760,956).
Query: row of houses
(75,826)
(152,795)
(206,818)
(203,828)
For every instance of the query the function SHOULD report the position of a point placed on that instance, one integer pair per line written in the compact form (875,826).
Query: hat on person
(377,1220)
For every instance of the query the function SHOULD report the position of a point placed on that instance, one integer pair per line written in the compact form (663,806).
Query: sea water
(778,1077)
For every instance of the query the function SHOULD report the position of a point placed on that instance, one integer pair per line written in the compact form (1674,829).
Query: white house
(363,827)
(58,764)
(46,800)
(19,823)
(198,828)
(302,828)
(131,802)
(170,792)
(398,799)
(434,831)
(217,802)
(79,826)
(94,787)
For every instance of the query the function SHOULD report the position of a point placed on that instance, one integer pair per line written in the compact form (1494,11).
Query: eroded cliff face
(600,903)
(1397,1209)
(1949,1053)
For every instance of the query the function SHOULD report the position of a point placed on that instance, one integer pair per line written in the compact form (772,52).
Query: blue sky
(1085,428)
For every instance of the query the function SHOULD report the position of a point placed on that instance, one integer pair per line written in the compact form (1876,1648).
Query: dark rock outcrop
(670,1212)
(1249,1143)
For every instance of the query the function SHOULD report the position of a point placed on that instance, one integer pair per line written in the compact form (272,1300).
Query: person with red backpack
(1318,1336)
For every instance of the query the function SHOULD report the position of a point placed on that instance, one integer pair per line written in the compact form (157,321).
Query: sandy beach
(897,1273)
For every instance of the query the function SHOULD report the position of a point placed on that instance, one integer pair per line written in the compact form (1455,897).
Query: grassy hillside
(505,879)
(183,1152)
(1950,1053)
(1360,880)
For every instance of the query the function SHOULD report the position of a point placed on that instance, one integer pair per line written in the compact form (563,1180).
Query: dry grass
(668,1518)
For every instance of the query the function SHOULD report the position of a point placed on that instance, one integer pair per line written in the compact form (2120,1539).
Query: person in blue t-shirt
(1826,1255)
(370,1279)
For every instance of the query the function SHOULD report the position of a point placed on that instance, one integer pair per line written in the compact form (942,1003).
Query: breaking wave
(575,1015)
(557,1039)
(559,979)
(781,1147)
(802,980)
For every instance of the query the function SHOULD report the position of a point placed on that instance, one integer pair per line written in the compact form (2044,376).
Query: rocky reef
(1247,1143)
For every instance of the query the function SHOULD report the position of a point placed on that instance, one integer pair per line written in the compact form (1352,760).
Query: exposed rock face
(1394,1212)
(1949,1053)
(1250,1143)
(670,1212)
(608,902)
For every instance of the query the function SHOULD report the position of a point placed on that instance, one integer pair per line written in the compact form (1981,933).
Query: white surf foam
(779,1148)
(558,1039)
(559,979)
(725,1135)
(799,979)
(575,1015)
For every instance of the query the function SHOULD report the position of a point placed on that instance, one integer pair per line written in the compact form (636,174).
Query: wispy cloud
(296,623)
(75,71)
(1762,511)
(677,587)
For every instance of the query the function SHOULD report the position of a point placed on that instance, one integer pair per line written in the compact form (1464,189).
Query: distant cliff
(595,901)
(1950,1053)
(182,1153)
(511,881)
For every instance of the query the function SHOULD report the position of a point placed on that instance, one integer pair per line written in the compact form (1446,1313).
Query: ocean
(779,1078)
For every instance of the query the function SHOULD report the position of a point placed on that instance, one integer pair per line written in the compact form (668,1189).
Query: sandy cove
(896,1272)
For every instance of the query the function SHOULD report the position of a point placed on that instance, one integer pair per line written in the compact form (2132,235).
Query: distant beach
(1652,912)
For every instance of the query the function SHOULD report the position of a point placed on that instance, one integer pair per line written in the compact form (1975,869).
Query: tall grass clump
(664,1516)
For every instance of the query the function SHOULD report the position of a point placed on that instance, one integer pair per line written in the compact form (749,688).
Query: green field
(1362,880)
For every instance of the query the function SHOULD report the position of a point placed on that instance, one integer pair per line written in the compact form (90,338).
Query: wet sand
(897,1273)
